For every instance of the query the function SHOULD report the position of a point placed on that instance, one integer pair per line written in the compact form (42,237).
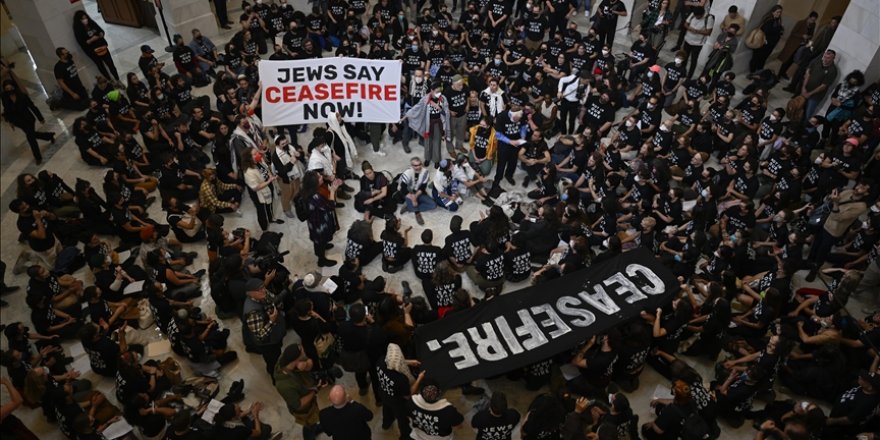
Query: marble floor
(62,158)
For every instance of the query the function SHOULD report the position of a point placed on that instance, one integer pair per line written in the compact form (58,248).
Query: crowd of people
(747,205)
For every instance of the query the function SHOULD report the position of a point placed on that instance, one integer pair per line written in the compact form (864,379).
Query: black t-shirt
(671,419)
(434,422)
(425,259)
(391,245)
(458,246)
(517,264)
(457,100)
(598,113)
(441,295)
(238,432)
(490,266)
(26,225)
(103,355)
(856,405)
(491,427)
(67,71)
(348,422)
(184,56)
(392,384)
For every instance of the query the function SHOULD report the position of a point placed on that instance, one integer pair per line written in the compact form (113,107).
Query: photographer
(297,386)
(263,323)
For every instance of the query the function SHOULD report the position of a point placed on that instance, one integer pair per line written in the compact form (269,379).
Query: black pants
(395,409)
(822,243)
(693,54)
(31,133)
(80,104)
(320,249)
(606,35)
(568,115)
(507,157)
(105,64)
(220,7)
(370,252)
(759,57)
(270,354)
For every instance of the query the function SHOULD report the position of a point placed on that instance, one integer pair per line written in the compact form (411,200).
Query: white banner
(310,91)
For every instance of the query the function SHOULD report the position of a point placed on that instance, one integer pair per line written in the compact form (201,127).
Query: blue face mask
(497,62)
(564,197)
(415,47)
(733,238)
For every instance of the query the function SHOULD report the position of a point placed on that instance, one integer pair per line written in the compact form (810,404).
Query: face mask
(571,244)
(651,106)
(875,208)
(629,124)
(434,33)
(415,47)
(85,21)
(564,197)
(664,128)
(400,17)
(704,193)
(160,97)
(604,52)
(437,94)
(419,80)
(733,238)
(678,61)
(258,157)
(772,118)
(637,179)
(650,74)
(497,62)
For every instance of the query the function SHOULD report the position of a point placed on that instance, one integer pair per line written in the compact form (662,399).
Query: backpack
(756,38)
(301,207)
(795,108)
(693,427)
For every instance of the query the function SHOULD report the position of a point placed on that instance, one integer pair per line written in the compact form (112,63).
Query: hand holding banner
(536,323)
(310,91)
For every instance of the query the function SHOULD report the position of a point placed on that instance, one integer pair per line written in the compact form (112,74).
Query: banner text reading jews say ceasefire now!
(310,91)
(533,324)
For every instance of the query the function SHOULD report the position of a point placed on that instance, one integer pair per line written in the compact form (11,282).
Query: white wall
(857,40)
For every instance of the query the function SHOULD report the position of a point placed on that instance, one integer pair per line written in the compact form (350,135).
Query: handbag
(323,344)
(145,315)
(756,39)
(101,51)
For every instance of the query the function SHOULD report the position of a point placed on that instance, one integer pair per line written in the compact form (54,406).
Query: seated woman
(181,286)
(184,221)
(93,148)
(395,246)
(374,197)
(360,243)
(442,188)
(540,234)
(483,143)
(488,269)
(467,180)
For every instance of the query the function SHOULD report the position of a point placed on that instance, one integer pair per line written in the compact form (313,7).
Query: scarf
(342,134)
(395,361)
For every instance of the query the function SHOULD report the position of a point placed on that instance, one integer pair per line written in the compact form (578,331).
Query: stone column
(857,43)
(46,25)
(182,16)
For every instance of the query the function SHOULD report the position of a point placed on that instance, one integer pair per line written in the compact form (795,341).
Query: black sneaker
(419,219)
(510,180)
(470,390)
(326,262)
(9,289)
(526,182)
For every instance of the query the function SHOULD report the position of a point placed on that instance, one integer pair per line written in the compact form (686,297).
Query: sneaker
(419,219)
(289,214)
(470,390)
(526,181)
(488,202)
(510,180)
(406,149)
(278,221)
(380,153)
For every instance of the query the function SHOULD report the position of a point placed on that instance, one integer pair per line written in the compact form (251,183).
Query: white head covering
(395,361)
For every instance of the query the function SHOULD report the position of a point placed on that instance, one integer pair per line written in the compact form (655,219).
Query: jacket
(493,142)
(21,113)
(419,117)
(848,210)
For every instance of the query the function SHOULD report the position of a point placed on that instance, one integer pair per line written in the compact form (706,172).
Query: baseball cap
(853,141)
(655,68)
(253,285)
(290,354)
(146,48)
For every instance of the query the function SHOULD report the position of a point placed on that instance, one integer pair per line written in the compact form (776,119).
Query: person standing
(258,179)
(606,20)
(456,97)
(20,111)
(294,381)
(773,30)
(510,133)
(802,33)
(90,37)
(289,168)
(74,94)
(222,16)
(345,419)
(697,28)
(322,223)
(821,73)
(846,207)
(263,323)
(432,416)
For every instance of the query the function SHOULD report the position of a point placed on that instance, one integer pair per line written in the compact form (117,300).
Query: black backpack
(301,207)
(693,427)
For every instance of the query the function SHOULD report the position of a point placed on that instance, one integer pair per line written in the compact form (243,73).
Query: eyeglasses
(416,165)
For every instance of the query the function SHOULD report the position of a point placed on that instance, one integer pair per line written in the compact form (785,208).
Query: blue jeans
(448,205)
(810,106)
(426,203)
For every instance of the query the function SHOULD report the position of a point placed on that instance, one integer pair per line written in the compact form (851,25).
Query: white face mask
(818,160)
(772,118)
(629,124)
(704,193)
(437,94)
(664,128)
(875,208)
(650,74)
(419,80)
(637,179)
(434,33)
(678,61)
(571,244)
(865,225)
(604,52)
(85,21)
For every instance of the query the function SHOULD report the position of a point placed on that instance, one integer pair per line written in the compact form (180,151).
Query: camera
(328,375)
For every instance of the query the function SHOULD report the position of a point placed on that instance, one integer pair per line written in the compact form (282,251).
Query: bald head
(338,396)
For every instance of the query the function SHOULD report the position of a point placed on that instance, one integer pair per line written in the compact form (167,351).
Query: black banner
(533,324)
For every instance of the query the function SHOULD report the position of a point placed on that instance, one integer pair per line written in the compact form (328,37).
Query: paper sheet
(117,429)
(77,350)
(330,285)
(569,371)
(662,392)
(82,364)
(213,407)
(157,348)
(123,256)
(134,287)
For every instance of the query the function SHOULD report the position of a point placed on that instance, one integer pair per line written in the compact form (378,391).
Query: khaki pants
(457,139)
(288,192)
(532,45)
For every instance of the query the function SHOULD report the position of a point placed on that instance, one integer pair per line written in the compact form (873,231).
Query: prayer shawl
(419,116)
(341,133)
